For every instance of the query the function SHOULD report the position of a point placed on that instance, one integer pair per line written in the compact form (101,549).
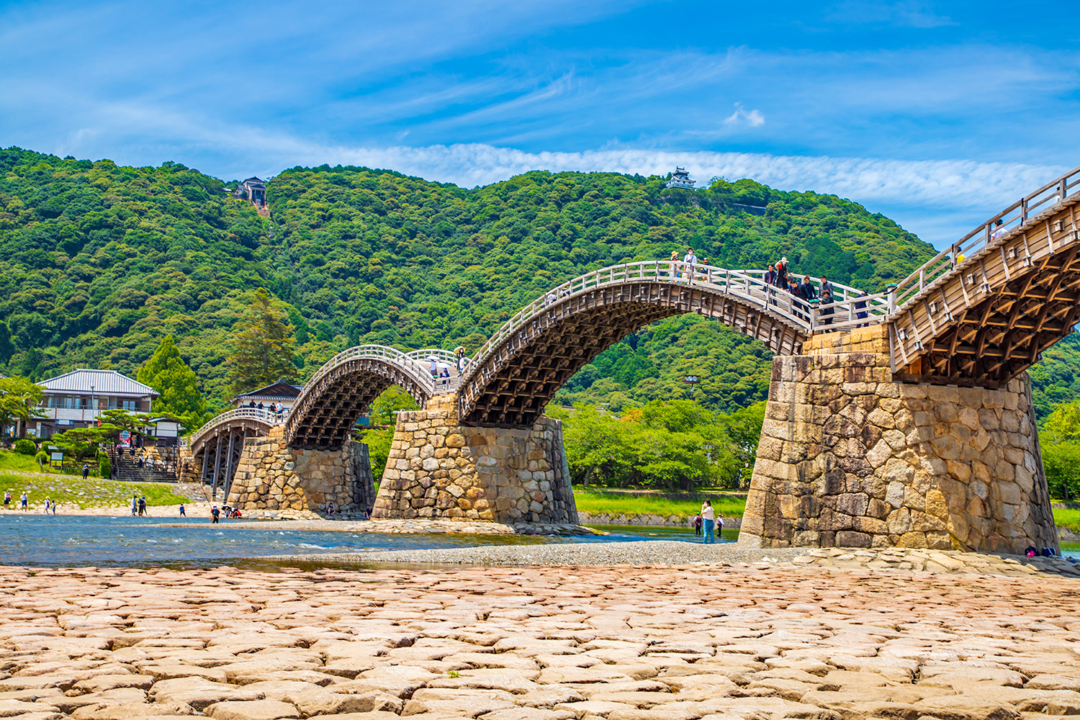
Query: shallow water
(75,540)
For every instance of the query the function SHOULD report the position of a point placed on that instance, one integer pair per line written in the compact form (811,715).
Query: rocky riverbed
(559,643)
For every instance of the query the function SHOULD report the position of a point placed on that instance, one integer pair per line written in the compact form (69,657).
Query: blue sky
(933,113)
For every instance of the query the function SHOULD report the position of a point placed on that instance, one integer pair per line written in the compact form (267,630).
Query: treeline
(669,445)
(1060,443)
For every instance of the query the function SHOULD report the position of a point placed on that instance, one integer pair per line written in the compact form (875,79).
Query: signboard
(56,456)
(125,438)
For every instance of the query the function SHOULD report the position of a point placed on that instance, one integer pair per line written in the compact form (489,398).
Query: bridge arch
(344,388)
(216,446)
(512,378)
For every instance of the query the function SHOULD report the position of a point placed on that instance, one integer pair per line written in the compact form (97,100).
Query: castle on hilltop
(680,179)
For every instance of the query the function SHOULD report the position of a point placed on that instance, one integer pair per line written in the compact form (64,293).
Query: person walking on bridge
(674,260)
(782,273)
(688,264)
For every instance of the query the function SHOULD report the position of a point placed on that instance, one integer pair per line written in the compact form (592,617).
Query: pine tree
(262,345)
(177,384)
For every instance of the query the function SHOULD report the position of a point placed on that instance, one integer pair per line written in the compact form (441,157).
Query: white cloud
(753,118)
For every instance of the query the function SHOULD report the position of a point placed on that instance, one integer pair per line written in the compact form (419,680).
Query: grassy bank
(595,502)
(26,463)
(92,492)
(1068,519)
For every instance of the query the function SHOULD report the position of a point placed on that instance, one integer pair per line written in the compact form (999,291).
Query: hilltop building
(254,190)
(680,179)
(76,399)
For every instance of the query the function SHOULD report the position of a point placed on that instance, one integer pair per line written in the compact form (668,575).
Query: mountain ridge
(98,261)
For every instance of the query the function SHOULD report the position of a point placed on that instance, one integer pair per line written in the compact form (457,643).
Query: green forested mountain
(99,262)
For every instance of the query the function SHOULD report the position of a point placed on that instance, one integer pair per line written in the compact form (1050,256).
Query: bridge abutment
(851,457)
(438,468)
(273,476)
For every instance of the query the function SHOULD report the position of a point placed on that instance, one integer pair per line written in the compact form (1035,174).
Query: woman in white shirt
(708,515)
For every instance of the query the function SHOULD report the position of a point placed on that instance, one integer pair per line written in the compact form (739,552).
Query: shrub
(25,446)
(104,467)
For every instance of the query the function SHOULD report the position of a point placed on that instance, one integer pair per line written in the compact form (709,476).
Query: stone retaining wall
(440,469)
(272,476)
(850,457)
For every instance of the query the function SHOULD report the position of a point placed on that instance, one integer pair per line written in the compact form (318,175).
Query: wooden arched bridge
(979,313)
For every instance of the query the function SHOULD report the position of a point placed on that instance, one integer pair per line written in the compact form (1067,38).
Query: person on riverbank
(696,524)
(85,471)
(708,515)
(48,505)
(330,509)
(183,512)
(134,505)
(215,514)
(24,501)
(142,507)
(7,499)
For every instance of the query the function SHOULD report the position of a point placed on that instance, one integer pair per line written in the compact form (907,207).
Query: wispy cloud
(906,13)
(752,118)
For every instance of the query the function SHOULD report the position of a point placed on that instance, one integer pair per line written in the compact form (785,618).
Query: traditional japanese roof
(279,390)
(98,382)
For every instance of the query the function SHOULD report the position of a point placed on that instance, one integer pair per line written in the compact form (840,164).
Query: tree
(262,345)
(170,376)
(1063,424)
(19,400)
(383,417)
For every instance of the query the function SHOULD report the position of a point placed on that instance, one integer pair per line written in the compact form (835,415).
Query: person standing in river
(708,517)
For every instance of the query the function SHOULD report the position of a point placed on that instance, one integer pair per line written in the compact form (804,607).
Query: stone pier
(440,469)
(850,456)
(273,476)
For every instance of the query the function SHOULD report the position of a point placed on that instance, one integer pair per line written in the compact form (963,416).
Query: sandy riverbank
(569,643)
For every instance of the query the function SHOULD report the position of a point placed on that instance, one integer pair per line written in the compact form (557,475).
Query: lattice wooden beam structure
(511,384)
(992,316)
(330,405)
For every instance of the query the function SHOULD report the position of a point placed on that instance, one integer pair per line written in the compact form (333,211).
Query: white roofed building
(76,399)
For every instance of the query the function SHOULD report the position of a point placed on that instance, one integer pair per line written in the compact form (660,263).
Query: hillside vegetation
(98,262)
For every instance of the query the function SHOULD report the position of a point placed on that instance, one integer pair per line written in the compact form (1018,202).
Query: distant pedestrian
(828,310)
(826,286)
(142,507)
(806,289)
(770,275)
(330,509)
(689,262)
(214,515)
(85,471)
(999,229)
(697,524)
(48,504)
(782,273)
(24,501)
(708,515)
(183,512)
(7,499)
(860,309)
(134,505)
(54,507)
(674,260)
(434,367)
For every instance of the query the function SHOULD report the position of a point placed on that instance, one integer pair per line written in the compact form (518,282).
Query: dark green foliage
(673,445)
(25,446)
(98,263)
(104,466)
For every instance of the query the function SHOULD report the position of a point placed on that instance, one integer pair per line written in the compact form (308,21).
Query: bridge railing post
(891,290)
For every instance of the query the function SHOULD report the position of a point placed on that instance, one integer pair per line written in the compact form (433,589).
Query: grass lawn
(623,504)
(92,492)
(26,463)
(1067,518)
